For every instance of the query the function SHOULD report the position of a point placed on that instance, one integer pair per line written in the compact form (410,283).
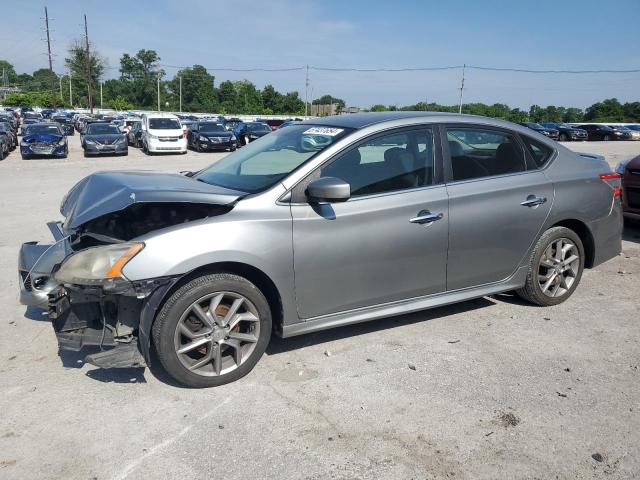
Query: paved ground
(491,388)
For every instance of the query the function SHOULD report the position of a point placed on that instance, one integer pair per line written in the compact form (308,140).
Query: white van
(162,132)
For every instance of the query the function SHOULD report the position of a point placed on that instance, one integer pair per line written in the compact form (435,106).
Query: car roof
(361,120)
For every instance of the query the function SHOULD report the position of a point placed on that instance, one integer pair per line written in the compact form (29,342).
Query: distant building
(323,110)
(351,110)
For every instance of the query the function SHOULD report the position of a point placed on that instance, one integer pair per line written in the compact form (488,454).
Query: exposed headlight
(621,166)
(203,139)
(98,264)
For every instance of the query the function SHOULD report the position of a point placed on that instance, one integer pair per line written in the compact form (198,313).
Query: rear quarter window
(540,152)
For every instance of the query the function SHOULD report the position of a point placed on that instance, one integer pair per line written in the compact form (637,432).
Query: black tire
(85,154)
(531,291)
(232,149)
(198,148)
(172,310)
(2,153)
(563,137)
(606,138)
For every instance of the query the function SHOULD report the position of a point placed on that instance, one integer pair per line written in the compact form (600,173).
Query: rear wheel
(555,267)
(563,137)
(213,330)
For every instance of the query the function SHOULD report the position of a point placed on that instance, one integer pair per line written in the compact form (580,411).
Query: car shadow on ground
(35,313)
(282,345)
(631,232)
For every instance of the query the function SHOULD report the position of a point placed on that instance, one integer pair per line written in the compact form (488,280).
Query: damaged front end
(79,278)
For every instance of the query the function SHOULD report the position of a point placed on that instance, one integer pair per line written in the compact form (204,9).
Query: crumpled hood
(42,137)
(105,192)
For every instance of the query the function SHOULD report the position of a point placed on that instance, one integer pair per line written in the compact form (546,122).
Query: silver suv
(321,224)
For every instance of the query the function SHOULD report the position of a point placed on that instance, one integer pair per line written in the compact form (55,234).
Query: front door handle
(533,201)
(425,216)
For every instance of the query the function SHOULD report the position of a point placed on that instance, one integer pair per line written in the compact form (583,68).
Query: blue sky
(536,34)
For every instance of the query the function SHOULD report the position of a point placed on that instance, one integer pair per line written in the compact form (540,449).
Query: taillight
(613,180)
(610,176)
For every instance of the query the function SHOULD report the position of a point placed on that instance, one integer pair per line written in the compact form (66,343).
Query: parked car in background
(134,135)
(186,125)
(293,236)
(103,138)
(601,132)
(547,132)
(66,124)
(251,131)
(43,140)
(205,136)
(7,130)
(162,133)
(11,119)
(287,123)
(5,144)
(630,172)
(273,123)
(627,133)
(567,132)
(231,123)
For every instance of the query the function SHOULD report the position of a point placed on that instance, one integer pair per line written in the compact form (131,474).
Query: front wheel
(555,267)
(212,330)
(563,137)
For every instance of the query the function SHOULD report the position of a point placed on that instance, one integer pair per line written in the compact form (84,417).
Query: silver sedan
(325,223)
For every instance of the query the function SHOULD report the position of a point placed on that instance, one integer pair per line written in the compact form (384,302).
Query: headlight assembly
(62,142)
(203,139)
(98,265)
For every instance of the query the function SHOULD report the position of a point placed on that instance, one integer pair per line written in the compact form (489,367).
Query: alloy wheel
(217,333)
(558,267)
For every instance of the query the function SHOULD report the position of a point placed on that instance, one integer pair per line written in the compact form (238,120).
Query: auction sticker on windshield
(323,131)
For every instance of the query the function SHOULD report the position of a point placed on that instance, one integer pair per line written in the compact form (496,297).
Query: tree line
(194,89)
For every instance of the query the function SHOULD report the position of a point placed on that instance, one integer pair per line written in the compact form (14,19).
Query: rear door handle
(425,216)
(533,201)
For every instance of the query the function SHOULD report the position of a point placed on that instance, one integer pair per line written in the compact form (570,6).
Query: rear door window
(476,152)
(540,152)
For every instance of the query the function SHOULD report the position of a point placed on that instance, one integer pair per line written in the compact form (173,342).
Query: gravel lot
(491,388)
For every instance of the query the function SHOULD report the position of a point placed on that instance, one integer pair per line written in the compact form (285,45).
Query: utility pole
(89,83)
(461,88)
(61,88)
(306,92)
(70,91)
(4,77)
(46,23)
(180,79)
(158,76)
(101,107)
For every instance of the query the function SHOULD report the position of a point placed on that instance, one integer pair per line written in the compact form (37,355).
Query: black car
(547,132)
(250,131)
(602,132)
(567,132)
(7,131)
(99,138)
(43,139)
(211,136)
(134,135)
(626,132)
(66,124)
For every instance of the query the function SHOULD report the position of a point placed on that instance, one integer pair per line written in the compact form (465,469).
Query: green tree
(272,100)
(76,62)
(381,108)
(139,75)
(227,97)
(121,104)
(10,76)
(609,110)
(198,93)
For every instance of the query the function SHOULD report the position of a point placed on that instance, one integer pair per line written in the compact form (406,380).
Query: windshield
(210,127)
(102,129)
(38,129)
(259,127)
(263,163)
(164,124)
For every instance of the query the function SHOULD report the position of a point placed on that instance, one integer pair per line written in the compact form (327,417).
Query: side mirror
(328,189)
(187,173)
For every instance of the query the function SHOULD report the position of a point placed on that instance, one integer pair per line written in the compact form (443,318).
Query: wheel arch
(256,276)
(586,236)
